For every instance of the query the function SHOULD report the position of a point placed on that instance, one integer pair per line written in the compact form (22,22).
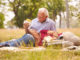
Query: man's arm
(32,32)
(35,34)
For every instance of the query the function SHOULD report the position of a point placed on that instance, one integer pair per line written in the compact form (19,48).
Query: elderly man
(42,22)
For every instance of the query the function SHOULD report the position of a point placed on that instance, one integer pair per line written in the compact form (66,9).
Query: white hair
(44,10)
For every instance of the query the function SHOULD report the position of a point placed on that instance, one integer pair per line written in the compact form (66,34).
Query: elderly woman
(42,22)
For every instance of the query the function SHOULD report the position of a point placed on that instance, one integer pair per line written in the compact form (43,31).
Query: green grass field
(49,54)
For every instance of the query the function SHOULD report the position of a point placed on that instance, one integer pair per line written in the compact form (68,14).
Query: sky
(9,14)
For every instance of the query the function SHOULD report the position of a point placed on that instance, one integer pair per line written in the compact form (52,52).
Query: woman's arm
(36,35)
(54,33)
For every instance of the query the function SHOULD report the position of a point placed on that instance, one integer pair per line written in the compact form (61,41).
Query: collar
(47,20)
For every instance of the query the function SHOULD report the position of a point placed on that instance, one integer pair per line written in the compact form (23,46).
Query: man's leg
(4,44)
(26,39)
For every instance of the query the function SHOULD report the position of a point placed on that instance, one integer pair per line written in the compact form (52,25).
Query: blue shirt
(49,24)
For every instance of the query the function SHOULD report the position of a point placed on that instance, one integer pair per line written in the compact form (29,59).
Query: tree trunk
(60,20)
(54,17)
(67,14)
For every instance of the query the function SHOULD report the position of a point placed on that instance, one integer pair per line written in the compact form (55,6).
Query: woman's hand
(55,34)
(50,32)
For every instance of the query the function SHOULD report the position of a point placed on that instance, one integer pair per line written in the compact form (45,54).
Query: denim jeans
(26,40)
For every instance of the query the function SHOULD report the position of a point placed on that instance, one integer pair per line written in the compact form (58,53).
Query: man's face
(41,16)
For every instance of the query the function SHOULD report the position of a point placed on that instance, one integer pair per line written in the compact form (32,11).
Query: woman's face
(41,16)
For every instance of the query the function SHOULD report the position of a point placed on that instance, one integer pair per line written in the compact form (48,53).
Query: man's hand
(25,26)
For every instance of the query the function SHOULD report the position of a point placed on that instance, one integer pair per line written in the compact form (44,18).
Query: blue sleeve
(53,26)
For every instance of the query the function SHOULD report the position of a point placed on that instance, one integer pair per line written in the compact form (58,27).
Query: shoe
(5,45)
(1,46)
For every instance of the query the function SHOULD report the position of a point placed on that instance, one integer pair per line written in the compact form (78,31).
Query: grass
(52,53)
(76,31)
(49,54)
(8,34)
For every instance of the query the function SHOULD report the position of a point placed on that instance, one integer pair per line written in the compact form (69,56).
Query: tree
(24,9)
(1,20)
(67,14)
(56,7)
(78,15)
(74,12)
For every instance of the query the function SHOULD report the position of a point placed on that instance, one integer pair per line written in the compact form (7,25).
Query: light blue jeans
(26,40)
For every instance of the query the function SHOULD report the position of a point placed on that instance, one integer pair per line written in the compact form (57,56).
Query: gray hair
(44,10)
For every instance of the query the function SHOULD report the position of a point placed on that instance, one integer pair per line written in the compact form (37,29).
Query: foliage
(55,7)
(28,9)
(78,15)
(24,9)
(72,10)
(1,20)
